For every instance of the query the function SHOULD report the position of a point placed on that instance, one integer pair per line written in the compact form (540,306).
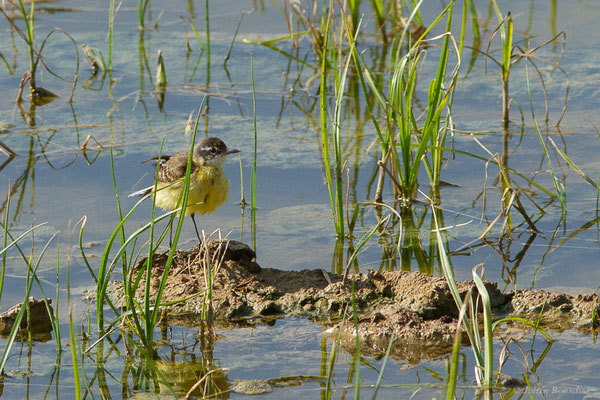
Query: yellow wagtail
(209,187)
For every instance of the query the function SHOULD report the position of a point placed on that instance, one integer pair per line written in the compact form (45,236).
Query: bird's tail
(141,192)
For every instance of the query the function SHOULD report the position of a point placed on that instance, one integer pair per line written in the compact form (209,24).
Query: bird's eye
(213,150)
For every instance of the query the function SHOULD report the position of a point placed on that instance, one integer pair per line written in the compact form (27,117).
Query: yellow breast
(209,189)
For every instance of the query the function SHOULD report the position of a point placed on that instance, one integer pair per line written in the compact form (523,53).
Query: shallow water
(53,183)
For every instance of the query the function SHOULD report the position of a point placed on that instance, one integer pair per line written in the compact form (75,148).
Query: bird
(208,188)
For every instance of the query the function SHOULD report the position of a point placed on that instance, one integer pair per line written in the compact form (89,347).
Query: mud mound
(417,307)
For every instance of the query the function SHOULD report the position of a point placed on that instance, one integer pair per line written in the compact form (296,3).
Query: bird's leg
(195,227)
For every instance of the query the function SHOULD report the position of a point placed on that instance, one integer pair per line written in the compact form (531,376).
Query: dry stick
(528,54)
(12,24)
(345,167)
(215,265)
(380,181)
(505,348)
(204,377)
(7,150)
(519,207)
(392,209)
(486,230)
(386,170)
(24,80)
(573,165)
(234,37)
(506,210)
(484,193)
(316,35)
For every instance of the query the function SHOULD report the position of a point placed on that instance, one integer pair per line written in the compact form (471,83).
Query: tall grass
(112,15)
(5,225)
(332,359)
(28,18)
(506,34)
(483,355)
(336,60)
(482,347)
(73,337)
(207,27)
(335,201)
(210,265)
(406,142)
(254,157)
(255,130)
(31,277)
(142,8)
(141,317)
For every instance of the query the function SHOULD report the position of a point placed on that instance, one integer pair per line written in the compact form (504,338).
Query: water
(53,182)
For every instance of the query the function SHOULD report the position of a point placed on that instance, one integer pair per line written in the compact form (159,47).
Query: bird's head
(211,151)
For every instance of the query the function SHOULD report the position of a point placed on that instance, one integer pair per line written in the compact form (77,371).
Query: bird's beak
(230,151)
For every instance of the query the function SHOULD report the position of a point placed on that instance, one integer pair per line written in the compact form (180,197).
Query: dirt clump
(556,311)
(418,308)
(38,322)
(428,296)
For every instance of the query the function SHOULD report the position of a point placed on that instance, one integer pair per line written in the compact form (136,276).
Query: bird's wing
(174,168)
(159,160)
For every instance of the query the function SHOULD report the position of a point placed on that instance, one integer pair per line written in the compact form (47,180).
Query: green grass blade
(324,121)
(487,328)
(253,181)
(453,373)
(17,322)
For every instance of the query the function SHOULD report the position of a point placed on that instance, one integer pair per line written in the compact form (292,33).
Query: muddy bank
(418,307)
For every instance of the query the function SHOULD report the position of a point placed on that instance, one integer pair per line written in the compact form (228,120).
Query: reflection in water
(177,368)
(19,186)
(403,239)
(191,369)
(40,147)
(7,151)
(184,365)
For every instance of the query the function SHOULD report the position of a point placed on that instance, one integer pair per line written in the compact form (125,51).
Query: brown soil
(39,323)
(417,307)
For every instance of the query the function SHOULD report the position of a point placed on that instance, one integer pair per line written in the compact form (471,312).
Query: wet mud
(38,323)
(418,308)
